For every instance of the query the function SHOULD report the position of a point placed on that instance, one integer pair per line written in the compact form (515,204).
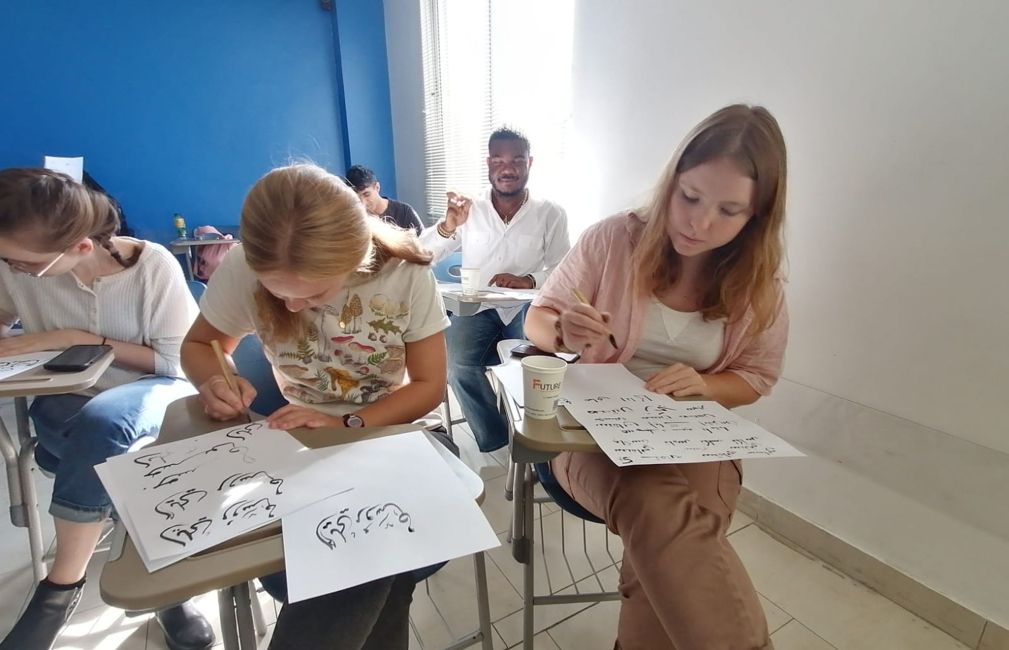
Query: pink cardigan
(600,266)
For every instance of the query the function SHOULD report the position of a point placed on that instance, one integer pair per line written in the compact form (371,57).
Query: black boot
(185,628)
(47,612)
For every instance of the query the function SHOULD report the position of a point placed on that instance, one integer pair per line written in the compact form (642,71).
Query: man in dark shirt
(369,189)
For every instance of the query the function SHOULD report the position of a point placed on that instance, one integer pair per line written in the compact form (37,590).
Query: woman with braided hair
(70,280)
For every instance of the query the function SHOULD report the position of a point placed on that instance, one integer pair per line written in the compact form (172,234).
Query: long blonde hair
(745,272)
(302,220)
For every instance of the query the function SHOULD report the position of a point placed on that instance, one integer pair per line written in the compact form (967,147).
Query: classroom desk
(462,304)
(184,247)
(228,567)
(535,441)
(18,448)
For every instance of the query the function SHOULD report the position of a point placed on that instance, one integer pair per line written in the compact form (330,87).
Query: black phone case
(526,350)
(77,358)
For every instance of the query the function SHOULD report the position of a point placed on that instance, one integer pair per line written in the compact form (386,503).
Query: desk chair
(126,583)
(448,270)
(526,468)
(19,450)
(252,364)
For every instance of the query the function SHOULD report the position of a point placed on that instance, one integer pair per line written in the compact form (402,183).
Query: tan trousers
(682,585)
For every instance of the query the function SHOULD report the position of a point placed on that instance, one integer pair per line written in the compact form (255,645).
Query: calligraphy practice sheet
(19,363)
(634,426)
(397,505)
(186,496)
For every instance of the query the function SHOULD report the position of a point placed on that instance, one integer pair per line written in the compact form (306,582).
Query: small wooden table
(18,449)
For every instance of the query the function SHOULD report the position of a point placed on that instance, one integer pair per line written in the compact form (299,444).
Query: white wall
(406,87)
(896,116)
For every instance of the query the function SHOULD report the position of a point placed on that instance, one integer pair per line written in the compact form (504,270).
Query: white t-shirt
(354,352)
(146,304)
(669,336)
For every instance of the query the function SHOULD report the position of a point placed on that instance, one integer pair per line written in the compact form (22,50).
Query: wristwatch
(353,421)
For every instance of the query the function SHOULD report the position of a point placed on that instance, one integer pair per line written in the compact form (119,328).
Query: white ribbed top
(669,336)
(147,304)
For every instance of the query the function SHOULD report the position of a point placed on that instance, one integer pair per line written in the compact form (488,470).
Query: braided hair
(53,212)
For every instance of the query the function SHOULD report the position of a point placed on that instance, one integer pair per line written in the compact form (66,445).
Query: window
(492,63)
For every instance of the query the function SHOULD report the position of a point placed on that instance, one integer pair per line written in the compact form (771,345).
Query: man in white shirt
(515,240)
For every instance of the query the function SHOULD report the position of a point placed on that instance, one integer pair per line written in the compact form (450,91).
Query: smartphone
(77,358)
(525,350)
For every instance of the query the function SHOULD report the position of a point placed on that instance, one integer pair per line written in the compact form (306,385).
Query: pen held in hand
(228,377)
(580,297)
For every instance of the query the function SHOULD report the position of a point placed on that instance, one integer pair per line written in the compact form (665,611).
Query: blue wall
(180,107)
(364,88)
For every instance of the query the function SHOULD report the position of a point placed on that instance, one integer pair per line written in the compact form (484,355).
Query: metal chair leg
(10,450)
(30,506)
(448,416)
(257,611)
(18,454)
(483,601)
(226,609)
(243,613)
(528,574)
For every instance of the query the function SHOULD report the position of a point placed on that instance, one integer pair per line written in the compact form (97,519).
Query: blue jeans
(472,346)
(76,432)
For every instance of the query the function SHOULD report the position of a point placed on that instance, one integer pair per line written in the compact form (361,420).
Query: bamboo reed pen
(580,297)
(226,371)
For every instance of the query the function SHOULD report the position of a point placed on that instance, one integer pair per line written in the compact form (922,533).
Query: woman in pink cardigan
(690,288)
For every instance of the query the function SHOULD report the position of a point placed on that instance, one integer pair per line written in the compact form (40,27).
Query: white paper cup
(541,385)
(470,280)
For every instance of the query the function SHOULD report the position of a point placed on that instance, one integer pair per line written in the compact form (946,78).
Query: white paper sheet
(517,294)
(636,427)
(498,295)
(19,363)
(510,376)
(72,167)
(398,506)
(186,496)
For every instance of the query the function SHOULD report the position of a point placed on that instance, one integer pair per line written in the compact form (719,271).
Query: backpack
(207,258)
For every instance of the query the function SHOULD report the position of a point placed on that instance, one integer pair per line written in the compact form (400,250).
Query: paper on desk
(18,363)
(497,295)
(636,427)
(517,294)
(396,506)
(510,376)
(186,496)
(72,167)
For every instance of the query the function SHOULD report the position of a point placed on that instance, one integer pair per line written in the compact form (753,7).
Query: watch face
(353,421)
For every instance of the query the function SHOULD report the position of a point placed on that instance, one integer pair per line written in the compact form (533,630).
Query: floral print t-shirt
(353,351)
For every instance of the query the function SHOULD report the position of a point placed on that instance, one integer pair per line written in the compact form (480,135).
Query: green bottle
(180,226)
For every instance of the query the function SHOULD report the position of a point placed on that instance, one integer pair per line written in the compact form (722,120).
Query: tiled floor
(808,605)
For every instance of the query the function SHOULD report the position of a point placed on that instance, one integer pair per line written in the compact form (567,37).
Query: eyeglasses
(24,266)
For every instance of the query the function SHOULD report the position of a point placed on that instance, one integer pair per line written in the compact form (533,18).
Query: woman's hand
(222,403)
(582,327)
(293,416)
(54,340)
(679,380)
